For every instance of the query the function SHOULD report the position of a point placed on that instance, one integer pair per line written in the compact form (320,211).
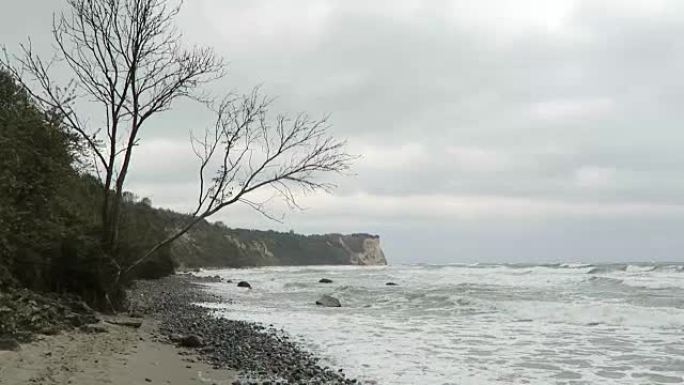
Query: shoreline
(179,342)
(260,354)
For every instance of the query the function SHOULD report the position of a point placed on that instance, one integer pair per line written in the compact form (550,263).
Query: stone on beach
(9,344)
(263,354)
(325,280)
(191,341)
(328,301)
(244,284)
(391,284)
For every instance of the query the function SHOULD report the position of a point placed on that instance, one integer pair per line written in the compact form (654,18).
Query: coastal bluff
(362,249)
(215,245)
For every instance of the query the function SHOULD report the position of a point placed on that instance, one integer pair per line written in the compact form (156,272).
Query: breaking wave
(613,324)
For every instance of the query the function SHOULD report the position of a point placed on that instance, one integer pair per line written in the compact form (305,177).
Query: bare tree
(246,151)
(125,56)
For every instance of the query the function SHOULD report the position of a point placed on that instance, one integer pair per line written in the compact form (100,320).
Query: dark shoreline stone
(244,284)
(325,280)
(328,301)
(191,341)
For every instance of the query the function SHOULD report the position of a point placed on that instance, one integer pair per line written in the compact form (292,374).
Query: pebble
(263,355)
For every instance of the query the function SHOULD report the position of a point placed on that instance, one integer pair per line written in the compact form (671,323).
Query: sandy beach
(120,356)
(178,342)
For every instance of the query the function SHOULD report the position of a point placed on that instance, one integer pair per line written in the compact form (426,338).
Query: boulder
(325,280)
(9,344)
(191,341)
(328,301)
(391,284)
(244,284)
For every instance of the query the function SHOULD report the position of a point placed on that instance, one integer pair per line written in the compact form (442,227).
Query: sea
(479,324)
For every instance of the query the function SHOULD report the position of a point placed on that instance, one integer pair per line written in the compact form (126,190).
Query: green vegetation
(36,178)
(126,58)
(50,212)
(64,230)
(50,219)
(215,245)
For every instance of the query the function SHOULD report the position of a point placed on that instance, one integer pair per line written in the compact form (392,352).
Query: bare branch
(249,152)
(124,56)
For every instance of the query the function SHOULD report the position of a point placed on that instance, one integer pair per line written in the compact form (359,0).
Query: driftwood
(124,321)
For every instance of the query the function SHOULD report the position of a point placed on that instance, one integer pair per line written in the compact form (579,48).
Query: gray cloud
(564,113)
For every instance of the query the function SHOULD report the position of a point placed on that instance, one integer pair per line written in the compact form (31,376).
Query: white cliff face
(212,247)
(372,253)
(258,249)
(363,249)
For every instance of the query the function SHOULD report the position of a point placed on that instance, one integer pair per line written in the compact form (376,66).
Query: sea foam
(478,324)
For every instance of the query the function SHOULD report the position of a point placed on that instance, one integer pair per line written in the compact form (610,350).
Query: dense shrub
(50,227)
(35,175)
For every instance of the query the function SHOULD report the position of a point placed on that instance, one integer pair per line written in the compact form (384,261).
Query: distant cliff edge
(215,245)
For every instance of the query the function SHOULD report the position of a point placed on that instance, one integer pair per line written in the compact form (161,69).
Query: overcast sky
(497,130)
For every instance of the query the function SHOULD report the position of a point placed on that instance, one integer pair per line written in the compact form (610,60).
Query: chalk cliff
(215,245)
(362,249)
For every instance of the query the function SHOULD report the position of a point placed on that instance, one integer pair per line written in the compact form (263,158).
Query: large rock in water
(325,280)
(244,284)
(328,301)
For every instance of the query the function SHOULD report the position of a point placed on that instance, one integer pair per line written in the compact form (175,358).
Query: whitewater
(476,324)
